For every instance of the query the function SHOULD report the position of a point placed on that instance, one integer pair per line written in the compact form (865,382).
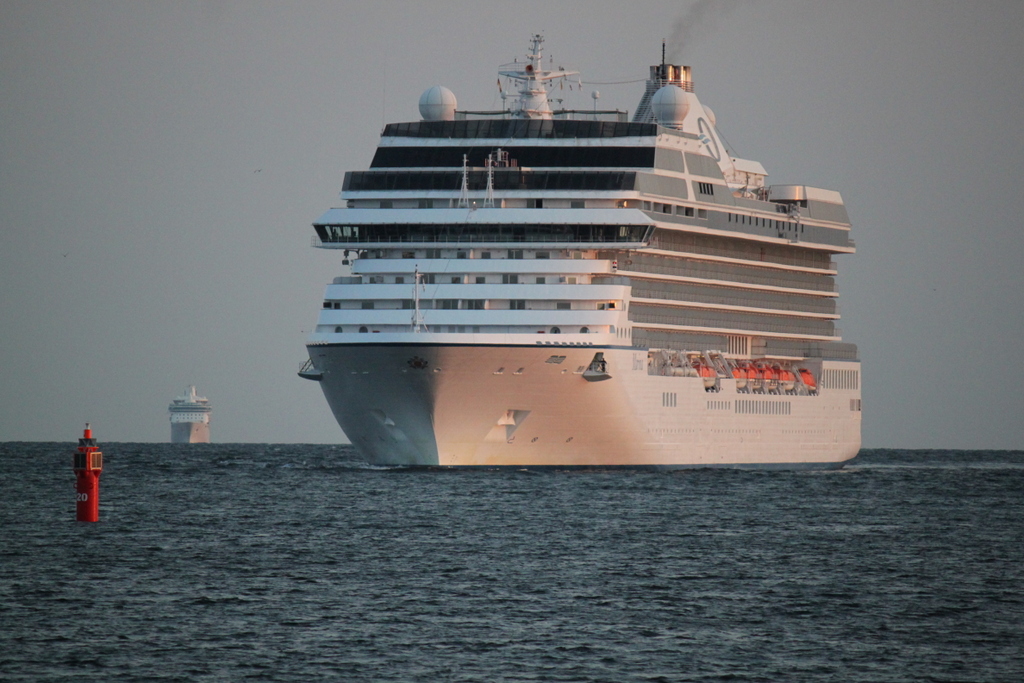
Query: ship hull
(523,406)
(190,432)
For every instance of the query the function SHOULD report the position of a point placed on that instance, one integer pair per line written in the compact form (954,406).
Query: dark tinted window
(585,157)
(504,179)
(519,128)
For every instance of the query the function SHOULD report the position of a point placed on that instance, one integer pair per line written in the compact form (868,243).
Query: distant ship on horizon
(190,418)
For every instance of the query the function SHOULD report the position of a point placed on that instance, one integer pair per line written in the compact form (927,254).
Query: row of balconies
(609,295)
(443,328)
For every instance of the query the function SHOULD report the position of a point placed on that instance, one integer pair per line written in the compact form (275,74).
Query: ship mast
(533,82)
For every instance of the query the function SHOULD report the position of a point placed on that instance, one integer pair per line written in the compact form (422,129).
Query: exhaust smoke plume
(696,21)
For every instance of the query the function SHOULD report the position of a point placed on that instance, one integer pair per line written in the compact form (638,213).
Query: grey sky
(177,153)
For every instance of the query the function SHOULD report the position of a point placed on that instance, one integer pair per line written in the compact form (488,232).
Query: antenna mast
(464,193)
(417,315)
(489,198)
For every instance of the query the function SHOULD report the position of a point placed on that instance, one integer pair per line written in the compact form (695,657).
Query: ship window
(363,329)
(485,254)
(555,330)
(426,203)
(337,305)
(367,305)
(571,280)
(515,253)
(685,211)
(460,254)
(449,304)
(508,279)
(407,304)
(706,188)
(338,329)
(456,279)
(584,330)
(702,213)
(563,306)
(543,254)
(577,205)
(535,203)
(386,204)
(592,157)
(480,279)
(475,304)
(399,280)
(408,254)
(327,304)
(541,281)
(517,305)
(433,253)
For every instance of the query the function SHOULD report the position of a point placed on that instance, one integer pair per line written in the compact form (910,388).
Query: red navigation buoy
(88,465)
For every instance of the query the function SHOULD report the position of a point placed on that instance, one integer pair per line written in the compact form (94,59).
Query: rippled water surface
(298,563)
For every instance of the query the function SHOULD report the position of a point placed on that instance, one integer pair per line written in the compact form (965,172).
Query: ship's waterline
(487,405)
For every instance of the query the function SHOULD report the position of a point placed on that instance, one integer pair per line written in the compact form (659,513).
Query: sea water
(299,563)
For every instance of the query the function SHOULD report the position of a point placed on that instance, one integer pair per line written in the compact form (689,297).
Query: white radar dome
(438,104)
(670,106)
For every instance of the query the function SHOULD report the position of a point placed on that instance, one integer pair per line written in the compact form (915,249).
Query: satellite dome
(670,106)
(438,104)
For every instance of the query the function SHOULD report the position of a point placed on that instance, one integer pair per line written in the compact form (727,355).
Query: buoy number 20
(83,497)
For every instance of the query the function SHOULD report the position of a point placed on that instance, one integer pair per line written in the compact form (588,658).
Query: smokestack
(661,75)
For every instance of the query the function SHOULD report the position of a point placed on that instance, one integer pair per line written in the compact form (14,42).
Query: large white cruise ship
(541,287)
(190,417)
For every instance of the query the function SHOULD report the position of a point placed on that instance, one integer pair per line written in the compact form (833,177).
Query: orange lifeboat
(787,379)
(771,379)
(740,375)
(756,377)
(807,377)
(707,374)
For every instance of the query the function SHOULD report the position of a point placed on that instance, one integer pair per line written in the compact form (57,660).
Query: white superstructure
(190,418)
(550,287)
